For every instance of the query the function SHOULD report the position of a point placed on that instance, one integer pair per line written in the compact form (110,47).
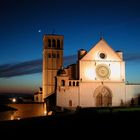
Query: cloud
(35,66)
(23,68)
(28,67)
(133,57)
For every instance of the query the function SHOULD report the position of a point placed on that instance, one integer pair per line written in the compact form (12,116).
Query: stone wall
(26,110)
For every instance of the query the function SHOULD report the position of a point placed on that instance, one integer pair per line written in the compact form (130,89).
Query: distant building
(38,95)
(97,79)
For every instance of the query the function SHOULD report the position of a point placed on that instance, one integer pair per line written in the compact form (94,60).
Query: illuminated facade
(96,80)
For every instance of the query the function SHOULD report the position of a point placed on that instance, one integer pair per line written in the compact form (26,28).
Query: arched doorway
(103,97)
(107,100)
(99,100)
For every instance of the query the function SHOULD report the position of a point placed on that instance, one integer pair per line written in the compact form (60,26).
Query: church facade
(100,79)
(97,79)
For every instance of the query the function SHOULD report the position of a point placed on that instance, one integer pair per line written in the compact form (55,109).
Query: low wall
(7,115)
(27,110)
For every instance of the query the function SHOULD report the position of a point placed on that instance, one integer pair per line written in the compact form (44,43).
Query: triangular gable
(102,47)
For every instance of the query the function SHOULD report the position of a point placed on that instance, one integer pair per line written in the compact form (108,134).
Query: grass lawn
(117,109)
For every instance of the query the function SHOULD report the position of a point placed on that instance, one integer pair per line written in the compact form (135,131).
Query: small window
(58,43)
(70,102)
(102,55)
(69,83)
(49,55)
(58,56)
(54,55)
(37,98)
(53,43)
(73,83)
(49,43)
(77,83)
(63,83)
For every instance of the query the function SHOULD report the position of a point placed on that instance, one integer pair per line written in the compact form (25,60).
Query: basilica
(97,79)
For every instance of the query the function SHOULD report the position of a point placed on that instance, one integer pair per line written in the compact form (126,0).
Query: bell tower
(52,62)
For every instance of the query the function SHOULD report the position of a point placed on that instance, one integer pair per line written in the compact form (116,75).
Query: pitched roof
(102,47)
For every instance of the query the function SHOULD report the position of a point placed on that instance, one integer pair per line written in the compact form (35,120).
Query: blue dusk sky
(82,22)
